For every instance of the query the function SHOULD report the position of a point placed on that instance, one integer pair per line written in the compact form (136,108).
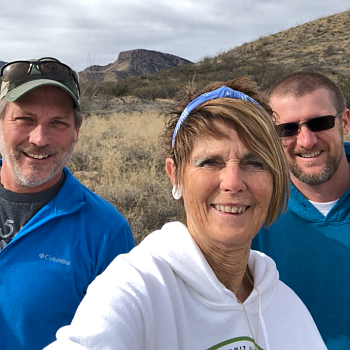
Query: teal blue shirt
(47,267)
(312,254)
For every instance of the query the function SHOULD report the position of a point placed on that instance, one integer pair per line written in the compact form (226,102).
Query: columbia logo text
(52,258)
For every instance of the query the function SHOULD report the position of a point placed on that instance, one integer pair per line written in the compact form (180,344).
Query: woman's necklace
(257,315)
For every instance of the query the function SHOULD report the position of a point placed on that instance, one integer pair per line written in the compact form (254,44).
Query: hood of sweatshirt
(174,244)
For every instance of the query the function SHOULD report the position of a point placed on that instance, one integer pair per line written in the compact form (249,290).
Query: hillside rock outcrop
(133,63)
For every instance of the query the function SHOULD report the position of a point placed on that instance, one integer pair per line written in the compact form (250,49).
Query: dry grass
(121,160)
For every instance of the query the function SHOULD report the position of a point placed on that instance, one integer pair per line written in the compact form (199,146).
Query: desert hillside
(321,45)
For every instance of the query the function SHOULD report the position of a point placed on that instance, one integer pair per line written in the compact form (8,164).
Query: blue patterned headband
(224,91)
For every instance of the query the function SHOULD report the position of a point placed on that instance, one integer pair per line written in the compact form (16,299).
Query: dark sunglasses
(19,70)
(315,124)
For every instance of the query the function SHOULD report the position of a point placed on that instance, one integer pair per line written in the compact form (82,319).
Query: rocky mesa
(132,63)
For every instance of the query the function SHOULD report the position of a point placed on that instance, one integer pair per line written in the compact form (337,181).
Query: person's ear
(170,169)
(346,121)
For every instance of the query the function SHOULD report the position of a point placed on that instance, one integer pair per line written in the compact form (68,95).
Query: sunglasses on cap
(315,124)
(50,69)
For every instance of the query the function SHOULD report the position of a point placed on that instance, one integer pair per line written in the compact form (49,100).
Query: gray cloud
(75,30)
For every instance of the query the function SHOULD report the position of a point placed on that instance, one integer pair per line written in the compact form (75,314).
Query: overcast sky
(85,32)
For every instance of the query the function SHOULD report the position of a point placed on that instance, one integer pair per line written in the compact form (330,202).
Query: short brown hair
(253,124)
(299,84)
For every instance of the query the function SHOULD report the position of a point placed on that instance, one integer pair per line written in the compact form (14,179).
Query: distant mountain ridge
(133,63)
(322,45)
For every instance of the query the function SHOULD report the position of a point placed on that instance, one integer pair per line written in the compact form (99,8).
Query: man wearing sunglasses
(310,243)
(56,236)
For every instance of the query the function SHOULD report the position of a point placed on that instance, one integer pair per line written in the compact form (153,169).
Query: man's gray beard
(320,178)
(33,181)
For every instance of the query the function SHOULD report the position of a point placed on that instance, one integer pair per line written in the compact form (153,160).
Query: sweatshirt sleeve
(110,317)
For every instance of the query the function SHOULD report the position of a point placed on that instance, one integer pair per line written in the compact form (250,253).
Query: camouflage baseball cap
(21,77)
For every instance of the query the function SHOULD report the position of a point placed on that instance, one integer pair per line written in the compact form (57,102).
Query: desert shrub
(124,150)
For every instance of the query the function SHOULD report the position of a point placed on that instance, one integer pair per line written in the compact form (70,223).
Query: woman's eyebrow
(200,160)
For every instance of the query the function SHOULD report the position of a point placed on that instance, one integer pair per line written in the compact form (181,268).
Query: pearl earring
(176,191)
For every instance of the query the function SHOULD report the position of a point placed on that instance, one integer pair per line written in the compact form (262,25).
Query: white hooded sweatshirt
(163,295)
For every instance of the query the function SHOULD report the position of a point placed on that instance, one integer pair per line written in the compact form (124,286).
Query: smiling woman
(197,284)
(226,190)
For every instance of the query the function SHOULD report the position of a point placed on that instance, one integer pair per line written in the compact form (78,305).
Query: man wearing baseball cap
(56,236)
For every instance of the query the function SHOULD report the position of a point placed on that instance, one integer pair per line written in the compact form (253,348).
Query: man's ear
(170,169)
(346,121)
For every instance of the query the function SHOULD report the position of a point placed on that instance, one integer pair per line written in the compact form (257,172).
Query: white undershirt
(324,208)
